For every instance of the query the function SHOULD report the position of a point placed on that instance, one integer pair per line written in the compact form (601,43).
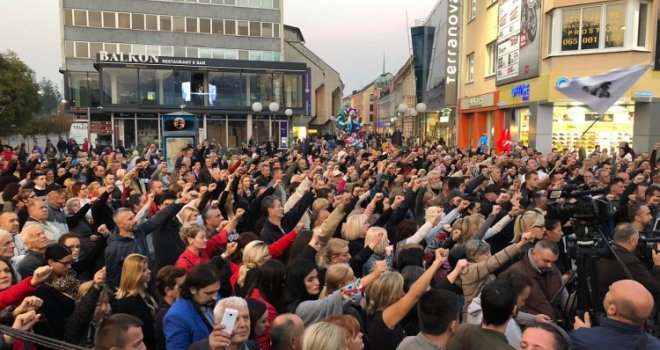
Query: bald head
(287,332)
(629,302)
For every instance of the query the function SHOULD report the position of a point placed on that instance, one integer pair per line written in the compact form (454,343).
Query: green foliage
(19,94)
(50,96)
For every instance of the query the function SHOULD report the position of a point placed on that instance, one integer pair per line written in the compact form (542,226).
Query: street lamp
(421,108)
(273,107)
(288,112)
(403,107)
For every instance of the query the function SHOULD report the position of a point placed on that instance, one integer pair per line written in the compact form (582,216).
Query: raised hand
(99,278)
(232,247)
(40,275)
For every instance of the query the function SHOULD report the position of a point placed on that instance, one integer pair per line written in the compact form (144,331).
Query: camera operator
(626,238)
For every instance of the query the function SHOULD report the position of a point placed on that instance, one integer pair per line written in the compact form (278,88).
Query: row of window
(166,23)
(259,4)
(83,49)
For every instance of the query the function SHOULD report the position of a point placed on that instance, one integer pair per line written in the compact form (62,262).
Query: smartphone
(229,320)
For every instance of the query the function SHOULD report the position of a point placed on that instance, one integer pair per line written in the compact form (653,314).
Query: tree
(19,94)
(50,96)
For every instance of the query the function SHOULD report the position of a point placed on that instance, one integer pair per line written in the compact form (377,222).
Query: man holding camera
(626,238)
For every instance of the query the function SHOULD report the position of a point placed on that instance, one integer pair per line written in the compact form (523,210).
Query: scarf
(66,284)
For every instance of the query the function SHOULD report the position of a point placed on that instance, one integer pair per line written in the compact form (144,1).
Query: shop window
(293,90)
(120,86)
(237,130)
(109,19)
(95,19)
(230,89)
(147,132)
(156,85)
(80,18)
(124,20)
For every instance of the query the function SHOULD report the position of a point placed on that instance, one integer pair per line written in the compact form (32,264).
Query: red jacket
(188,259)
(264,340)
(15,294)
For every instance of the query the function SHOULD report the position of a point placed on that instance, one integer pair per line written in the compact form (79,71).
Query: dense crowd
(374,245)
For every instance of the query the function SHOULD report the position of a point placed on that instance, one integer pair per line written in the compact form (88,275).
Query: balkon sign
(121,57)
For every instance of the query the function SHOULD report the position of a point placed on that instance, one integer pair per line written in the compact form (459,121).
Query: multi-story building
(126,63)
(363,100)
(403,86)
(478,113)
(326,86)
(543,44)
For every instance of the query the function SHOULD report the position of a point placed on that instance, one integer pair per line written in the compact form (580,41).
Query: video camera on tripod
(585,211)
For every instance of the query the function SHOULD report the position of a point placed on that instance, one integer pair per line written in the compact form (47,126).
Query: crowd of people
(327,246)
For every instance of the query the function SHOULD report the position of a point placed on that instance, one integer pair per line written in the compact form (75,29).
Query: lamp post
(59,118)
(256,108)
(273,107)
(421,108)
(288,112)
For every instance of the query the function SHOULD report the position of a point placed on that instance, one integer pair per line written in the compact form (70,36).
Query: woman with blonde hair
(325,336)
(531,220)
(188,214)
(336,251)
(68,185)
(382,249)
(354,232)
(388,304)
(133,297)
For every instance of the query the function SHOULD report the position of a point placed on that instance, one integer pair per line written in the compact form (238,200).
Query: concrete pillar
(540,127)
(646,132)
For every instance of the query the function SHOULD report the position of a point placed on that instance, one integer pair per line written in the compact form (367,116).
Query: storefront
(537,115)
(479,116)
(137,90)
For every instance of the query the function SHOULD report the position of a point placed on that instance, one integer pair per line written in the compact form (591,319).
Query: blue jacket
(183,325)
(613,335)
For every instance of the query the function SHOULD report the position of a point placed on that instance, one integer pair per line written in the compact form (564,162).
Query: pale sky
(350,35)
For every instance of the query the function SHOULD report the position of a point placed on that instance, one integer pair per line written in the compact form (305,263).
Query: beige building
(477,104)
(403,87)
(363,100)
(326,86)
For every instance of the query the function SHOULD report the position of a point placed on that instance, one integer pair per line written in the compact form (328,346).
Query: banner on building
(518,40)
(656,66)
(307,92)
(453,49)
(601,91)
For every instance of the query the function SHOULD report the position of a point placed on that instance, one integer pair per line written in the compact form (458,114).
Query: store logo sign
(521,90)
(562,82)
(105,56)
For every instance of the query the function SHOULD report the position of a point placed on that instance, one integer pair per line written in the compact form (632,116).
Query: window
(151,22)
(139,49)
(230,2)
(217,26)
(276,30)
(179,51)
(472,10)
(69,49)
(80,18)
(192,52)
(205,53)
(179,24)
(267,30)
(491,62)
(109,19)
(95,48)
(230,27)
(243,55)
(230,54)
(244,3)
(242,27)
(205,25)
(219,53)
(68,17)
(592,27)
(153,50)
(267,4)
(255,28)
(110,48)
(191,25)
(82,50)
(166,23)
(125,48)
(643,21)
(255,3)
(95,19)
(124,20)
(166,51)
(137,21)
(470,68)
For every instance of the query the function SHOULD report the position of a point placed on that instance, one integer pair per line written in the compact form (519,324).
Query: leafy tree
(50,96)
(19,94)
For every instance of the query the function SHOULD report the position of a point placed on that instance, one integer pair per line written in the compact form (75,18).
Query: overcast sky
(350,35)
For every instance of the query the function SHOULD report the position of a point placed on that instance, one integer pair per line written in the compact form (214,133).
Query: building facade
(554,41)
(403,86)
(478,112)
(128,63)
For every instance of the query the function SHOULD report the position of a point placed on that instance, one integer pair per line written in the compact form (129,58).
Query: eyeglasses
(67,264)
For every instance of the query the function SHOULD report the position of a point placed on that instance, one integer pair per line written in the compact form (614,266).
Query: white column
(249,127)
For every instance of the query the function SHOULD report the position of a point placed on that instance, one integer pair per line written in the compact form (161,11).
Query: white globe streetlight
(421,107)
(274,107)
(402,108)
(257,107)
(412,112)
(288,112)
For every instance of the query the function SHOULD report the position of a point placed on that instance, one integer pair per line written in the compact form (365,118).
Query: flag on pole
(601,91)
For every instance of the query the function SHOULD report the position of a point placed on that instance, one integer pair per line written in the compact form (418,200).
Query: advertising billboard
(518,40)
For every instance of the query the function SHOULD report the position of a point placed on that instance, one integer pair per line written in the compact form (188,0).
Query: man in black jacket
(626,238)
(278,223)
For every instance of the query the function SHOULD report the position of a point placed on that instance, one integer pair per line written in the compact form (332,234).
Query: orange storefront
(479,115)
